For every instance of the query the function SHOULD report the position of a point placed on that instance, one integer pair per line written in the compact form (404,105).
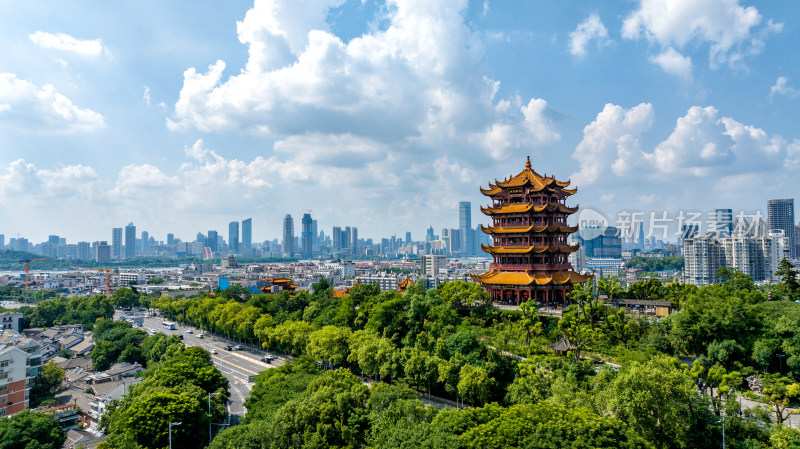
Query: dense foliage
(29,430)
(175,388)
(652,264)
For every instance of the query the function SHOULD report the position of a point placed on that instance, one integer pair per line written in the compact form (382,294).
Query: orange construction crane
(108,278)
(27,263)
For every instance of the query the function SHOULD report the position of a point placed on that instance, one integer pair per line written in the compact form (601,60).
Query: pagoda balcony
(531,267)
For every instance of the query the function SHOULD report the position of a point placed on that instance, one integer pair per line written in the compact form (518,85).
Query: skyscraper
(247,234)
(211,241)
(102,253)
(465,226)
(288,236)
(780,216)
(130,241)
(116,243)
(723,222)
(354,241)
(145,243)
(337,238)
(233,237)
(314,236)
(408,236)
(170,239)
(306,236)
(84,251)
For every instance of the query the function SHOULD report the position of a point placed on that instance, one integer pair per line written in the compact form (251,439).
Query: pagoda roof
(527,177)
(495,277)
(519,208)
(527,229)
(530,249)
(402,285)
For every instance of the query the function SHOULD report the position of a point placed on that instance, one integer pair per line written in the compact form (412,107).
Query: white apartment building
(432,264)
(755,256)
(20,362)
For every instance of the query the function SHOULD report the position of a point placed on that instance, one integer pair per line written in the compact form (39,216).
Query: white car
(213,351)
(153,331)
(189,331)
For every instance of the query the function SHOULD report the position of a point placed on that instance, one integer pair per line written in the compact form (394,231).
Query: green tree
(29,430)
(548,425)
(530,321)
(474,384)
(578,330)
(156,281)
(47,382)
(124,297)
(788,274)
(779,391)
(330,344)
(656,399)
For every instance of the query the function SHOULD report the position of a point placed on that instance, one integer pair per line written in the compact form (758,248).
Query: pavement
(236,366)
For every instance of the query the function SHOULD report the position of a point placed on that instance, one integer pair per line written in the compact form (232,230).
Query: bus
(169,325)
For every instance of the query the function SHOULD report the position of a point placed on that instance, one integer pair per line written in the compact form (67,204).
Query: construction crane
(27,263)
(108,278)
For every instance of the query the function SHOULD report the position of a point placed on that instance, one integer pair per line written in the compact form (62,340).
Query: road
(236,366)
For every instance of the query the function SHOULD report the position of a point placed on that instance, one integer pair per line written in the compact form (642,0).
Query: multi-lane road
(236,365)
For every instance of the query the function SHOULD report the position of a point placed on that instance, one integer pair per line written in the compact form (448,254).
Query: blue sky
(182,116)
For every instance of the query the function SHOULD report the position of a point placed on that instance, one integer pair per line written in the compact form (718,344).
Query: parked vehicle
(237,347)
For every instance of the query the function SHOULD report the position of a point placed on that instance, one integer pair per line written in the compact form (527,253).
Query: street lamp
(170,431)
(209,415)
(780,358)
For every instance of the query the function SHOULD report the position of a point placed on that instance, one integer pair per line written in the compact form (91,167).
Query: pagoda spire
(528,164)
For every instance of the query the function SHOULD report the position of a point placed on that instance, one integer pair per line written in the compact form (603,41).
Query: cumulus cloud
(731,31)
(411,87)
(702,145)
(65,42)
(612,139)
(24,104)
(674,63)
(21,180)
(782,87)
(590,29)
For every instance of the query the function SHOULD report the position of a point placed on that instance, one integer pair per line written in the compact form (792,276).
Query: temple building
(529,240)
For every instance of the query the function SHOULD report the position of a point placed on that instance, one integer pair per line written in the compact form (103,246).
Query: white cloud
(702,145)
(674,63)
(22,182)
(65,42)
(611,140)
(729,29)
(590,29)
(782,87)
(414,85)
(28,106)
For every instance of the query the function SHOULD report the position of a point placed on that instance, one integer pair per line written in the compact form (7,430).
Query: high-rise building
(314,236)
(408,236)
(2,240)
(723,222)
(757,257)
(212,240)
(288,236)
(233,237)
(354,240)
(130,241)
(84,251)
(116,243)
(465,226)
(306,235)
(52,239)
(607,244)
(145,243)
(102,252)
(247,234)
(780,216)
(337,238)
(431,264)
(640,235)
(170,239)
(429,234)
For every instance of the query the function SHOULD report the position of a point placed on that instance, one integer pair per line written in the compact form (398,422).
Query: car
(267,359)
(214,351)
(237,347)
(200,335)
(229,348)
(189,331)
(180,336)
(153,331)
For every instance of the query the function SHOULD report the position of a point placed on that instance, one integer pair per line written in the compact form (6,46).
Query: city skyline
(363,119)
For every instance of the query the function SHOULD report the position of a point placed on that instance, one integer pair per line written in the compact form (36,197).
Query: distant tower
(429,234)
(780,216)
(723,222)
(116,243)
(288,236)
(247,235)
(211,240)
(233,237)
(170,239)
(640,236)
(306,236)
(408,236)
(465,226)
(145,243)
(130,241)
